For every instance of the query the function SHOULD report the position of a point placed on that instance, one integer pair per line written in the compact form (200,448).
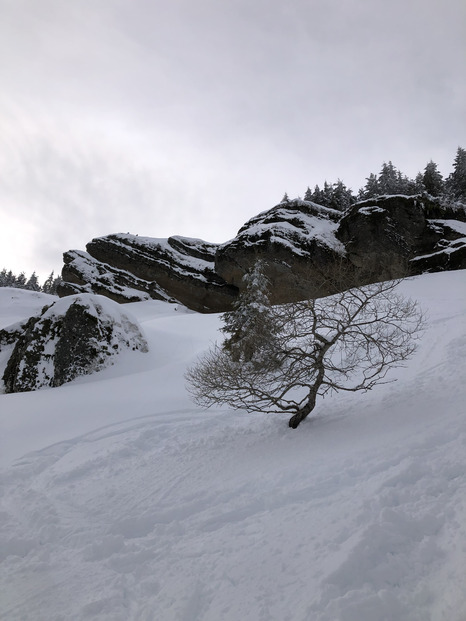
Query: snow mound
(18,304)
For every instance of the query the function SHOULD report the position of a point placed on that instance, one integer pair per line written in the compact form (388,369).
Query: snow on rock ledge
(300,242)
(77,335)
(385,236)
(129,268)
(297,240)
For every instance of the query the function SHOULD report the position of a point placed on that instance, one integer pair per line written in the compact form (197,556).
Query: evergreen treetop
(432,180)
(456,181)
(8,279)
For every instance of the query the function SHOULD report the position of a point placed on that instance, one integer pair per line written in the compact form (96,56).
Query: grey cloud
(173,116)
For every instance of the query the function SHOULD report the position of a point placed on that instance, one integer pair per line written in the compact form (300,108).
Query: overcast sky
(188,117)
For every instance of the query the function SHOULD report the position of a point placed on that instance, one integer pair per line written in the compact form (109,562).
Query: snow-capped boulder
(381,235)
(77,335)
(84,274)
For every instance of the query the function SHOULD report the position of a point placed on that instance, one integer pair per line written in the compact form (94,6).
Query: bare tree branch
(299,351)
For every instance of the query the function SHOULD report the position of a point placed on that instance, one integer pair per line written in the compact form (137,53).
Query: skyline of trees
(390,180)
(9,279)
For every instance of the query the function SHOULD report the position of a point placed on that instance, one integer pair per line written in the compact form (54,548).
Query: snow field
(122,502)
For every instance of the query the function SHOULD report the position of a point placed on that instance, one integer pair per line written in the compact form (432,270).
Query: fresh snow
(179,261)
(293,233)
(455,225)
(123,502)
(367,211)
(18,304)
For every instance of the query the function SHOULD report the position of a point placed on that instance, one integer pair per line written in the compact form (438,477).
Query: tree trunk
(311,401)
(303,412)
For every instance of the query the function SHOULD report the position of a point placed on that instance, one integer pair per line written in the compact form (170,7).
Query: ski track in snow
(134,524)
(360,515)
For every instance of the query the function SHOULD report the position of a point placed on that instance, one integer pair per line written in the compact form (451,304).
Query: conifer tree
(33,283)
(371,189)
(47,287)
(342,197)
(56,281)
(10,279)
(7,279)
(419,183)
(388,180)
(249,326)
(456,181)
(317,195)
(327,195)
(21,281)
(432,180)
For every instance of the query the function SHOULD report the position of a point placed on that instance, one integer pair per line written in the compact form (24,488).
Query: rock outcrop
(128,268)
(300,241)
(449,251)
(382,236)
(75,336)
(297,241)
(387,237)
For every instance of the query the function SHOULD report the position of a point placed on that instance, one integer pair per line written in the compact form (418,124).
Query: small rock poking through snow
(77,335)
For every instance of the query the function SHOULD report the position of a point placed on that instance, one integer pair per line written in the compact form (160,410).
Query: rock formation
(299,240)
(383,236)
(128,268)
(75,336)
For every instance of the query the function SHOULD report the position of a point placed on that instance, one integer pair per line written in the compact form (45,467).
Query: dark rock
(297,242)
(448,253)
(301,243)
(384,237)
(381,235)
(75,336)
(84,274)
(128,267)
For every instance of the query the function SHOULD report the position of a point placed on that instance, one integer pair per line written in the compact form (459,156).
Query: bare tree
(344,342)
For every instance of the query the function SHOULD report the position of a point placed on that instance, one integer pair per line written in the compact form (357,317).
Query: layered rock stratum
(299,241)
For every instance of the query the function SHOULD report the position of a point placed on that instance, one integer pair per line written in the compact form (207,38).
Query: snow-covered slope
(122,502)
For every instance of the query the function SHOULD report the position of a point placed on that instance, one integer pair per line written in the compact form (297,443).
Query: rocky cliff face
(128,268)
(391,236)
(299,241)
